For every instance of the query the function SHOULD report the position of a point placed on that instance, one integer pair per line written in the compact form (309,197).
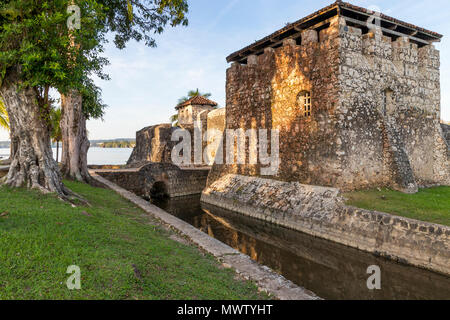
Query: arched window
(304,103)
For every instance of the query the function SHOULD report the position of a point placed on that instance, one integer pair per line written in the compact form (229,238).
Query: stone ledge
(320,212)
(266,279)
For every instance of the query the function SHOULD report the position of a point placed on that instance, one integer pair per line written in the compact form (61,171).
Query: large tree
(35,56)
(56,135)
(128,20)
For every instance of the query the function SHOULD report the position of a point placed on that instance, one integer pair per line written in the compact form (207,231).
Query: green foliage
(174,120)
(130,10)
(431,205)
(118,144)
(193,93)
(121,251)
(4,118)
(143,19)
(35,41)
(93,106)
(55,119)
(34,37)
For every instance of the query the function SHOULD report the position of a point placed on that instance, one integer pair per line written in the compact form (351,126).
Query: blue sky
(147,82)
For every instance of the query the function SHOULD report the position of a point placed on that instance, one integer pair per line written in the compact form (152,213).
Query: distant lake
(96,156)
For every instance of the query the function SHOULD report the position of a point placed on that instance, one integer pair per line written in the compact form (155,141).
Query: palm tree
(191,94)
(174,120)
(4,118)
(55,118)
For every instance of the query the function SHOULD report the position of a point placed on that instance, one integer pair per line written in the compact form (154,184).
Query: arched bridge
(158,179)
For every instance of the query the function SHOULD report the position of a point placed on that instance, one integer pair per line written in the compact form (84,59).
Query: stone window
(304,103)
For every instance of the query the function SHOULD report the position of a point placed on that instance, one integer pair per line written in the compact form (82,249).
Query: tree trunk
(57,151)
(32,162)
(75,143)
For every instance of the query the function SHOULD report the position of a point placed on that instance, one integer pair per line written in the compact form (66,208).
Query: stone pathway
(266,279)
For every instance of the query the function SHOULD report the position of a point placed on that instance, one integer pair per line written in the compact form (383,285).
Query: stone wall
(153,144)
(215,126)
(390,107)
(446,132)
(375,110)
(321,212)
(263,95)
(158,179)
(191,113)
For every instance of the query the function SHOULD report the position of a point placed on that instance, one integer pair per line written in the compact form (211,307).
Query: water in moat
(330,270)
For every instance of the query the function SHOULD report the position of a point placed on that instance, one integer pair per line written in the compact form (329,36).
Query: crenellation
(252,60)
(429,57)
(309,36)
(289,42)
(374,101)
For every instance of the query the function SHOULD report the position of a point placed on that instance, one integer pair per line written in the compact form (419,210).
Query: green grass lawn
(431,205)
(122,252)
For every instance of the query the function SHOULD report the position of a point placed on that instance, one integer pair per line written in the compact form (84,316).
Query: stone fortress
(150,171)
(154,143)
(357,103)
(355,96)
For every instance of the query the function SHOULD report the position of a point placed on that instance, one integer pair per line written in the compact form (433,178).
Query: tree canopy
(35,42)
(34,37)
(41,49)
(140,19)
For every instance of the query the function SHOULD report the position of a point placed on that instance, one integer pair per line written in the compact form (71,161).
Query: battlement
(306,44)
(347,16)
(376,43)
(356,103)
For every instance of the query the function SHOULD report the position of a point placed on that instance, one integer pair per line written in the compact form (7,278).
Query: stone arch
(159,190)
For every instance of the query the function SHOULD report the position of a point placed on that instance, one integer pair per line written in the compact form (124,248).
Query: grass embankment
(430,205)
(122,253)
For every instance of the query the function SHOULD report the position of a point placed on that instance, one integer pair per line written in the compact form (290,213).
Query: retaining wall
(321,212)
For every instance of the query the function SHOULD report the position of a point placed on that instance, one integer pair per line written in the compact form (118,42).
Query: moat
(330,270)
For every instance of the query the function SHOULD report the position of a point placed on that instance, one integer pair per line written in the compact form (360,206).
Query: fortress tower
(355,95)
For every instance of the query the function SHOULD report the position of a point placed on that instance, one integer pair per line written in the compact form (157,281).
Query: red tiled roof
(197,100)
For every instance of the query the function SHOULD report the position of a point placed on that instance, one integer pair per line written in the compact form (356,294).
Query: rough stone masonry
(357,105)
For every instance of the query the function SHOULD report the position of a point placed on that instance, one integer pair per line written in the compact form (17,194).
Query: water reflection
(330,270)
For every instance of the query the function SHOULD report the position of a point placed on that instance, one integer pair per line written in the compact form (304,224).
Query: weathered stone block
(309,36)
